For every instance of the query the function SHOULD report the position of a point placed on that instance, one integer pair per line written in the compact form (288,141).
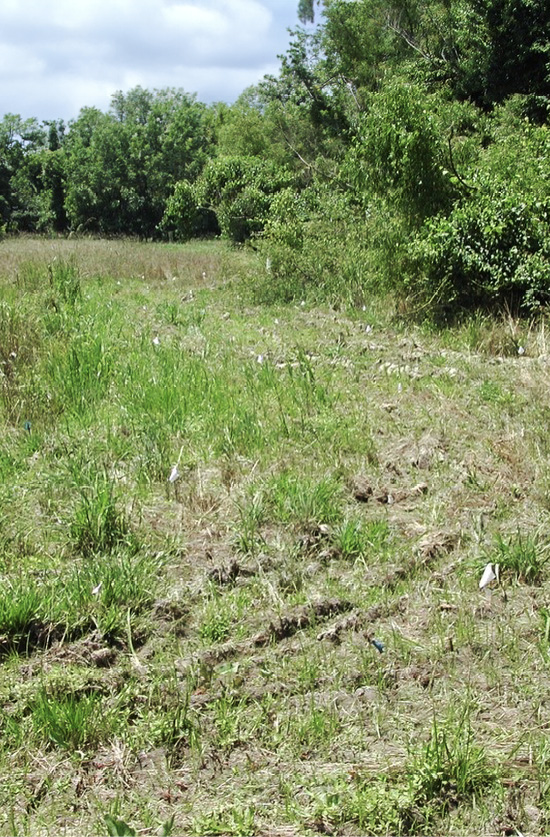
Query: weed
(20,340)
(215,626)
(252,514)
(21,605)
(354,538)
(107,591)
(374,805)
(315,728)
(64,278)
(544,614)
(233,821)
(305,501)
(493,393)
(228,714)
(79,374)
(29,275)
(524,556)
(171,313)
(449,768)
(118,828)
(223,613)
(98,524)
(72,722)
(179,731)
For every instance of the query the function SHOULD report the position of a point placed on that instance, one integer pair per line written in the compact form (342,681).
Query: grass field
(241,549)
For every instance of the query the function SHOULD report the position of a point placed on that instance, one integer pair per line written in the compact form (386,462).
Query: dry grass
(200,265)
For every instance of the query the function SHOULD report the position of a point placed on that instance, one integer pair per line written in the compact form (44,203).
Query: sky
(57,56)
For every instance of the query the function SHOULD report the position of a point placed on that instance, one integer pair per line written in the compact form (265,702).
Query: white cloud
(16,63)
(61,55)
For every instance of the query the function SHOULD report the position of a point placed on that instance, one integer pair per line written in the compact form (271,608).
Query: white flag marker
(487,577)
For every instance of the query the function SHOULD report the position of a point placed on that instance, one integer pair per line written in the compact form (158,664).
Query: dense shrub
(182,218)
(493,247)
(240,191)
(315,246)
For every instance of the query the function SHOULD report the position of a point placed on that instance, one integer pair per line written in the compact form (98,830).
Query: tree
(23,196)
(123,165)
(306,11)
(99,194)
(484,50)
(518,54)
(401,155)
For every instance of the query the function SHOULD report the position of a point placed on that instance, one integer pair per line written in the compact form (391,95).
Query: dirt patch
(363,491)
(358,620)
(421,454)
(300,619)
(90,651)
(286,626)
(228,574)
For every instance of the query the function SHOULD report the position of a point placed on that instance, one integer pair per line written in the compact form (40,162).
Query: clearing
(241,555)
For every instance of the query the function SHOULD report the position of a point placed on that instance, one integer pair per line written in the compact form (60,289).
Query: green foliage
(118,828)
(215,627)
(289,212)
(22,142)
(178,728)
(418,159)
(525,556)
(314,246)
(359,47)
(310,100)
(400,154)
(306,11)
(105,592)
(80,374)
(122,166)
(244,129)
(354,539)
(355,108)
(20,606)
(238,637)
(64,280)
(99,194)
(483,52)
(252,513)
(450,768)
(20,338)
(518,59)
(240,190)
(182,218)
(232,821)
(72,721)
(491,249)
(374,804)
(305,501)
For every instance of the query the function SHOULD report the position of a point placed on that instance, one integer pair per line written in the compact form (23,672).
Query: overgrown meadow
(241,549)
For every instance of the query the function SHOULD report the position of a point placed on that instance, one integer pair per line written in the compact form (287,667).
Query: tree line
(403,146)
